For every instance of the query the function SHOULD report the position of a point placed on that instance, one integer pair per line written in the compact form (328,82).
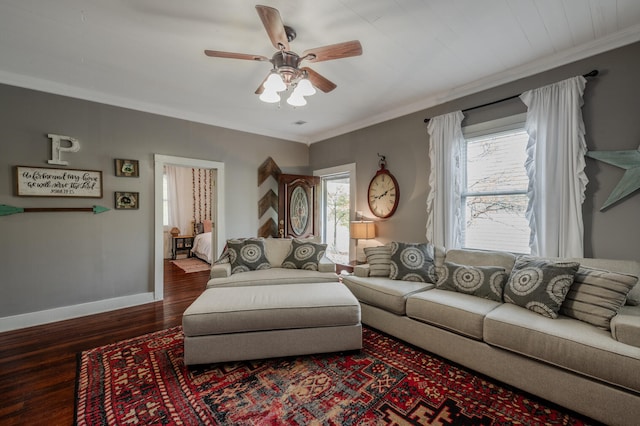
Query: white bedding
(202,247)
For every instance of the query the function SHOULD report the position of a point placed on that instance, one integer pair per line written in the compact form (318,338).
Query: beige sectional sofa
(591,370)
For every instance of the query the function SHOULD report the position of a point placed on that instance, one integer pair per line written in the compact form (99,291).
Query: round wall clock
(384,192)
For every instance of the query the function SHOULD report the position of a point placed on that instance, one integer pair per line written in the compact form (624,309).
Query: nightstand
(180,244)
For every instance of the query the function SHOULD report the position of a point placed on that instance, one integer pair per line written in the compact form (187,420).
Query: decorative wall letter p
(57,149)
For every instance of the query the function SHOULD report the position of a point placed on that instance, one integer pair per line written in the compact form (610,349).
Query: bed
(202,241)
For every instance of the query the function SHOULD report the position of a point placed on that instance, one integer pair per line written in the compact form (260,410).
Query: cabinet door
(298,206)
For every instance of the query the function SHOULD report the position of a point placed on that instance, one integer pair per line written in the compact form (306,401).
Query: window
(494,193)
(336,208)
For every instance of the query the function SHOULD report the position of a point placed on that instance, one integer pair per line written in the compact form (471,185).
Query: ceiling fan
(286,70)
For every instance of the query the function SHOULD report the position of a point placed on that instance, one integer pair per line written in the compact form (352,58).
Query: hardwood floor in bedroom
(38,364)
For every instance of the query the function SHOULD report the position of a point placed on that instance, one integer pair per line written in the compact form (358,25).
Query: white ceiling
(148,54)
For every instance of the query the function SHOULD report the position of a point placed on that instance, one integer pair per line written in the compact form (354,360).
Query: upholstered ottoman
(241,323)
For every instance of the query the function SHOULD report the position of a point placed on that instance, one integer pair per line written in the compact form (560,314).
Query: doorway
(217,213)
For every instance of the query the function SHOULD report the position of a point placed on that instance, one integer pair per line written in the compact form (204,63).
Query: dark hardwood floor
(38,364)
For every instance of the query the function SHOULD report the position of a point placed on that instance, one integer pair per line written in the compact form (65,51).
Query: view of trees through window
(336,217)
(494,199)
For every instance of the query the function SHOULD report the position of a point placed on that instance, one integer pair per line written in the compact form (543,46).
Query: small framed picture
(127,200)
(127,168)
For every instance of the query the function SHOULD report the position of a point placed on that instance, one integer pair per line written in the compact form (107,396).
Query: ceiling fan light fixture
(305,88)
(270,96)
(296,100)
(274,83)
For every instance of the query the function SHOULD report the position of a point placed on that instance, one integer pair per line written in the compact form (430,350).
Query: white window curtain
(555,165)
(180,198)
(444,217)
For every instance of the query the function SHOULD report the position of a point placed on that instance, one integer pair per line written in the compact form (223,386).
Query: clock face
(383,194)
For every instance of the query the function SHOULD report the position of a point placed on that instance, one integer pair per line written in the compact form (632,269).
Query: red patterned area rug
(144,381)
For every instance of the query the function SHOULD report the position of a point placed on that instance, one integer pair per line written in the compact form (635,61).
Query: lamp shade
(274,83)
(296,100)
(270,96)
(363,230)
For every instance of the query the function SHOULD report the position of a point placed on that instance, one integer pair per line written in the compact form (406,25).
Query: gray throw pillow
(481,281)
(247,255)
(413,262)
(304,254)
(224,257)
(379,260)
(540,285)
(596,296)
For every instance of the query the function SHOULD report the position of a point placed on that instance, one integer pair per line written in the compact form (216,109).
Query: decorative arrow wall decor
(6,210)
(627,160)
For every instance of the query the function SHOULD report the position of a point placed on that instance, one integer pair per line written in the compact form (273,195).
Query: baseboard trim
(31,319)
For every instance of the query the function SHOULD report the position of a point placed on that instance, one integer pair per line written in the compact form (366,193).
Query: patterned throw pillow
(482,281)
(540,285)
(247,255)
(224,257)
(304,254)
(413,262)
(596,296)
(379,260)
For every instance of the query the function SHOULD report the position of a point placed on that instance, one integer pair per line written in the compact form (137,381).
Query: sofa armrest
(326,265)
(361,270)
(625,327)
(222,270)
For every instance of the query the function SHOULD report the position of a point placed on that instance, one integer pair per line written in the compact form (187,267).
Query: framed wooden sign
(50,182)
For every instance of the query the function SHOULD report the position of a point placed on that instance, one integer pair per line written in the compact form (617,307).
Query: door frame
(217,214)
(353,214)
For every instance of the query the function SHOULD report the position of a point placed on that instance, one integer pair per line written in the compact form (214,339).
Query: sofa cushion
(382,292)
(481,281)
(304,254)
(625,327)
(596,296)
(564,342)
(540,285)
(413,262)
(379,260)
(276,250)
(247,255)
(461,313)
(273,276)
(481,258)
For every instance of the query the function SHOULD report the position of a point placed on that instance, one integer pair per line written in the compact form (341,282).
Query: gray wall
(612,104)
(50,260)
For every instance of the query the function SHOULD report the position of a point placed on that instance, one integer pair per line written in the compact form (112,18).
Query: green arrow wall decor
(6,210)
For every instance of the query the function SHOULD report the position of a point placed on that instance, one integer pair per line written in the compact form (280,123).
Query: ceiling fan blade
(275,28)
(333,51)
(319,81)
(260,88)
(231,55)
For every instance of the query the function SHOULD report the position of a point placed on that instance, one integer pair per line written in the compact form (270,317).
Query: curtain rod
(592,73)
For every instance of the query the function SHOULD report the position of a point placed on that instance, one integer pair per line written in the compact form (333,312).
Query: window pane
(336,214)
(496,163)
(494,196)
(497,222)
